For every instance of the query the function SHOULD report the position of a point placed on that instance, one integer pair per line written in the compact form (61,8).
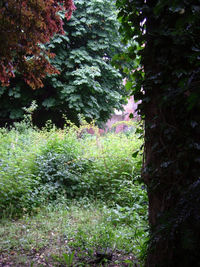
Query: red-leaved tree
(24,25)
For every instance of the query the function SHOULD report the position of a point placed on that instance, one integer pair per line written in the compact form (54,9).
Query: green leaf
(135,154)
(49,102)
(128,85)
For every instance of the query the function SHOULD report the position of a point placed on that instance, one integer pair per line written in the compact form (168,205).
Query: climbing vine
(167,81)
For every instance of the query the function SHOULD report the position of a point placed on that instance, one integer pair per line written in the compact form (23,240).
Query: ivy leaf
(135,154)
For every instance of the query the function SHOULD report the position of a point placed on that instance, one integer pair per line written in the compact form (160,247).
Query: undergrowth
(47,168)
(37,166)
(83,228)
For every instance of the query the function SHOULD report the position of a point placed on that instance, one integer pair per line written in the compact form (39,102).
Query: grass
(82,228)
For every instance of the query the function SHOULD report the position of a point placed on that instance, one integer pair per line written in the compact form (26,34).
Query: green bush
(60,166)
(17,167)
(113,166)
(40,166)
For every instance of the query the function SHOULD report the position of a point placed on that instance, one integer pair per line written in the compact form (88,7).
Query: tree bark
(171,168)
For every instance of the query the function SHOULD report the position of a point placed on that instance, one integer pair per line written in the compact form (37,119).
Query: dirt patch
(46,257)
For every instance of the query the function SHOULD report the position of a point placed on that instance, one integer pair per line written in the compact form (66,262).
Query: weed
(68,258)
(39,166)
(78,235)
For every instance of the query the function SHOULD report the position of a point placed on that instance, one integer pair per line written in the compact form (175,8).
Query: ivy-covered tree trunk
(170,106)
(172,132)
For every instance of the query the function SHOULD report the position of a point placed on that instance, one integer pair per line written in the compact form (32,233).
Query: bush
(39,166)
(60,166)
(113,166)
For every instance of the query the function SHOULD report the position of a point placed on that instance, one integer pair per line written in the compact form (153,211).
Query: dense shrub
(39,166)
(60,166)
(113,168)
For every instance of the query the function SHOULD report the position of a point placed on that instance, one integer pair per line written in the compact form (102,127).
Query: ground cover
(85,231)
(69,198)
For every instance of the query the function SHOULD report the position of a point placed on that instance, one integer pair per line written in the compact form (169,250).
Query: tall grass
(18,151)
(37,166)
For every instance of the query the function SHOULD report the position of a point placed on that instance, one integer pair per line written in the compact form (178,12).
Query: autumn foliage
(24,25)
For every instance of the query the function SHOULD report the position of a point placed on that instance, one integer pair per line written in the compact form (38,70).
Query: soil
(44,257)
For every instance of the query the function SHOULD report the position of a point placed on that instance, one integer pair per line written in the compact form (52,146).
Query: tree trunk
(172,131)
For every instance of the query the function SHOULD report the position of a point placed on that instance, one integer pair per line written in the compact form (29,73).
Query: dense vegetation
(70,172)
(39,167)
(87,82)
(167,84)
(66,197)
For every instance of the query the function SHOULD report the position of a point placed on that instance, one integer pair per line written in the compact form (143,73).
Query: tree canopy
(24,25)
(87,82)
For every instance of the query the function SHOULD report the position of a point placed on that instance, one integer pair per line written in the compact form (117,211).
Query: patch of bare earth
(48,257)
